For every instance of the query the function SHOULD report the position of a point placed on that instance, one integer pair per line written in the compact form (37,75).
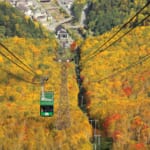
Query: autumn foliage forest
(119,100)
(21,126)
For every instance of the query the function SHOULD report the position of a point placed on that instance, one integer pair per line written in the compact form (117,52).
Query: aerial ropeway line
(19,78)
(124,25)
(63,119)
(46,99)
(143,59)
(24,69)
(99,49)
(114,42)
(17,58)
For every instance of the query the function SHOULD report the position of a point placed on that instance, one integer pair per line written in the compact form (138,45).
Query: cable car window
(46,108)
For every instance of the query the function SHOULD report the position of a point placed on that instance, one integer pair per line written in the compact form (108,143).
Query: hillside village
(42,11)
(35,10)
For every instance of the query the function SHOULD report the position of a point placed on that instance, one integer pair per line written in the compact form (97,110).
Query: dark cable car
(47,104)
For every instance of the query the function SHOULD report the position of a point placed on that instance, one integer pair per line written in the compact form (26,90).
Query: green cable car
(47,104)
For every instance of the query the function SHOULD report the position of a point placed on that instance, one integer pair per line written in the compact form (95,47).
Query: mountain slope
(21,125)
(121,101)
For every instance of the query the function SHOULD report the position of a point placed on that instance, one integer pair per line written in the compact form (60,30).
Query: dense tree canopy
(20,121)
(102,15)
(21,124)
(121,102)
